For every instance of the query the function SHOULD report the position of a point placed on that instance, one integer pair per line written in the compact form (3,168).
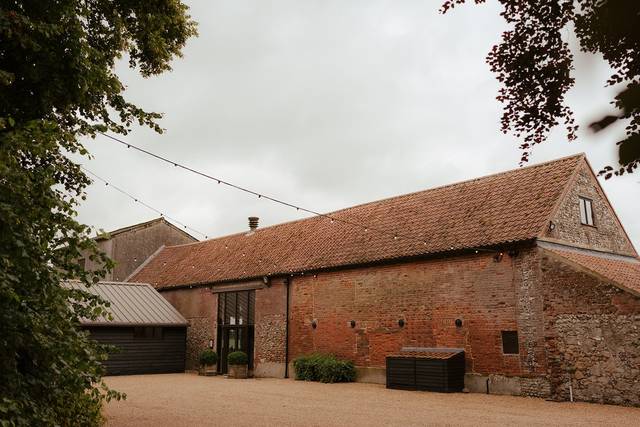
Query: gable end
(606,233)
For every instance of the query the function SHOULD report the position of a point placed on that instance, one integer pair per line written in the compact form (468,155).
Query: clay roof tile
(506,207)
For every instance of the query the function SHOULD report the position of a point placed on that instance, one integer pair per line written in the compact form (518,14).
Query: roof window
(586,211)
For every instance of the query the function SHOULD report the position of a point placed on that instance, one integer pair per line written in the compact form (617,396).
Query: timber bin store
(429,369)
(148,332)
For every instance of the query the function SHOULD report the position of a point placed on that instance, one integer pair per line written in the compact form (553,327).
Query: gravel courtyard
(190,400)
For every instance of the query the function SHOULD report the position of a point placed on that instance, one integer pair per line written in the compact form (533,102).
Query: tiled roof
(132,304)
(622,271)
(506,207)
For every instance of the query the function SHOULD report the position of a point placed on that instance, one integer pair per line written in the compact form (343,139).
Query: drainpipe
(287,282)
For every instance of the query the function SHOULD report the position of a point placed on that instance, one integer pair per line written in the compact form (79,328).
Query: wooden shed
(149,334)
(429,369)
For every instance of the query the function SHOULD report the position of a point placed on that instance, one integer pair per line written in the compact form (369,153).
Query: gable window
(510,342)
(586,211)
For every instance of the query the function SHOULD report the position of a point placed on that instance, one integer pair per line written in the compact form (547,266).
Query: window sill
(589,225)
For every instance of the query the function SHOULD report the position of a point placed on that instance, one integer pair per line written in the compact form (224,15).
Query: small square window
(586,211)
(510,342)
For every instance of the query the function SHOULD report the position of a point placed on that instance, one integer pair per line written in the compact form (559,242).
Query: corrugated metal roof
(132,304)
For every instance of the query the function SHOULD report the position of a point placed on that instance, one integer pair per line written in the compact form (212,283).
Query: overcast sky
(328,104)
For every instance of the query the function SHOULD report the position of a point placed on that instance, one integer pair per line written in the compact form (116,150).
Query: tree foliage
(534,63)
(57,83)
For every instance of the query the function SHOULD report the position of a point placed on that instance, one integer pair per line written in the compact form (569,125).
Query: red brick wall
(429,295)
(200,307)
(607,234)
(592,332)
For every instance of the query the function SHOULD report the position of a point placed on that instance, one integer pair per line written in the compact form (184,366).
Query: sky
(328,104)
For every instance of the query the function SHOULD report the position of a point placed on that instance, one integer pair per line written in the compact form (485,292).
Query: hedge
(325,368)
(237,358)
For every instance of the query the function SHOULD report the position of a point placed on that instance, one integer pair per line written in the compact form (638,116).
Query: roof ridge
(160,219)
(108,282)
(130,227)
(466,181)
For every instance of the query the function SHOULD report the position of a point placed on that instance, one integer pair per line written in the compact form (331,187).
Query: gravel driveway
(190,400)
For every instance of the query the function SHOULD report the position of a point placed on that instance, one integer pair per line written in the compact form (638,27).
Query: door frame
(247,334)
(244,330)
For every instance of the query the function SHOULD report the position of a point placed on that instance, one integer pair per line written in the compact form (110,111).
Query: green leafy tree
(57,84)
(533,63)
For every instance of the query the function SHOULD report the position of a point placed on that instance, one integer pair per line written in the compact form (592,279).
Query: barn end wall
(132,248)
(592,334)
(105,246)
(607,234)
(429,295)
(199,306)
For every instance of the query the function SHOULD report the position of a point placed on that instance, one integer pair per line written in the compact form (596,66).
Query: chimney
(253,223)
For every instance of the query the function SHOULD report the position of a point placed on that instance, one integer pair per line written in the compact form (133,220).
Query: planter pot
(237,371)
(209,370)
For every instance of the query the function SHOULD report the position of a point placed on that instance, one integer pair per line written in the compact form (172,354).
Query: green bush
(208,357)
(237,358)
(325,368)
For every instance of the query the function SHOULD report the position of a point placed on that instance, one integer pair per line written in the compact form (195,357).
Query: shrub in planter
(325,368)
(237,362)
(208,360)
(208,357)
(237,358)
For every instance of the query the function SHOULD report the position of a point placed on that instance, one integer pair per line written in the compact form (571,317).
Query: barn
(529,272)
(149,334)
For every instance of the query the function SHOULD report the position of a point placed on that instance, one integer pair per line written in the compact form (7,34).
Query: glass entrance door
(234,338)
(235,326)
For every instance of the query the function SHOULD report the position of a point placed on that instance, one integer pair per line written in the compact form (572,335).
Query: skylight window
(586,211)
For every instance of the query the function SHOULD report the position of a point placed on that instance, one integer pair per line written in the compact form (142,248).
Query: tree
(57,84)
(534,65)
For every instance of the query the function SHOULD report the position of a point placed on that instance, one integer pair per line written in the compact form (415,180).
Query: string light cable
(237,187)
(266,260)
(146,205)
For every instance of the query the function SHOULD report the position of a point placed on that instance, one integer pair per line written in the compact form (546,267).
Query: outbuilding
(148,333)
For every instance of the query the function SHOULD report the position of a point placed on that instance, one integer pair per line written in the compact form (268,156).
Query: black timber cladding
(157,353)
(441,371)
(148,334)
